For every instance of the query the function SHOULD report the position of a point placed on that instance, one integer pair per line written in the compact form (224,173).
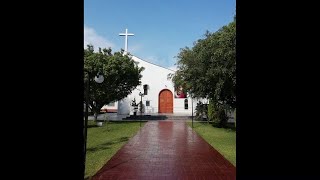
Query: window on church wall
(147,103)
(186,104)
(145,89)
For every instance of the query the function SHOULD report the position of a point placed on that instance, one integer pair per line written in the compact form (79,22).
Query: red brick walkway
(167,150)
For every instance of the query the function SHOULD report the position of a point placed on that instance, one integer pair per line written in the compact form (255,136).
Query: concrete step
(157,117)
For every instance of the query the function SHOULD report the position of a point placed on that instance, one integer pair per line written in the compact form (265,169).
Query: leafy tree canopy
(121,76)
(208,69)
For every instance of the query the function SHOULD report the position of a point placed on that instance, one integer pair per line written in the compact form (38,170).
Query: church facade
(158,94)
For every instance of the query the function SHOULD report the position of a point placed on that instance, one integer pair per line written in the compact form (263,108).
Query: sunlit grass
(103,142)
(223,140)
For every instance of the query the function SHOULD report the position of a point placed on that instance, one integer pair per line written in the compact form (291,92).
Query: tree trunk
(95,116)
(235,121)
(96,112)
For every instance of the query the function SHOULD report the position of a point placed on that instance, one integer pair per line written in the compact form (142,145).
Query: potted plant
(99,123)
(135,106)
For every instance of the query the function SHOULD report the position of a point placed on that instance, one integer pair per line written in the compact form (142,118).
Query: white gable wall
(110,107)
(156,77)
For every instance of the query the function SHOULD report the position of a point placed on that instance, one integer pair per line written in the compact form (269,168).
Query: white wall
(124,106)
(156,77)
(111,107)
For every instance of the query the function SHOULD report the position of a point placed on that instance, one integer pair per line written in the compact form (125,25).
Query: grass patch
(103,142)
(223,140)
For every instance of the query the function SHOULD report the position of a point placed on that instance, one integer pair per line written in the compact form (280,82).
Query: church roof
(152,63)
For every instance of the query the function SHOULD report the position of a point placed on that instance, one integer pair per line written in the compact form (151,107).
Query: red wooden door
(166,101)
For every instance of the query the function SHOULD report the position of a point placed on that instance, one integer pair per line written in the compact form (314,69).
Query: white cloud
(91,37)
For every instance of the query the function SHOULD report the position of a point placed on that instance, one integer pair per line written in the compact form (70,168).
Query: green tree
(121,76)
(208,69)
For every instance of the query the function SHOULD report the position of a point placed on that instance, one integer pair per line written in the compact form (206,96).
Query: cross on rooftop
(126,40)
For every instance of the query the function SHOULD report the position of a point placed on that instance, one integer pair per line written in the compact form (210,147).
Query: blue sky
(160,27)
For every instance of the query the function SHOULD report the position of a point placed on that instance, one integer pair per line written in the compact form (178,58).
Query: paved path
(167,150)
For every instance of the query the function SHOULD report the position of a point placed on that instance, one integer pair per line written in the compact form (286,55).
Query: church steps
(157,117)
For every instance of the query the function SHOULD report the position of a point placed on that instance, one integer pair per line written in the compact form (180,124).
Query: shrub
(211,112)
(201,111)
(218,115)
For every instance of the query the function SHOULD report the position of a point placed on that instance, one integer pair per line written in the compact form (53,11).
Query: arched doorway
(165,101)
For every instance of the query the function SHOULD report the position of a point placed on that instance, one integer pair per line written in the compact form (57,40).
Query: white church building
(158,93)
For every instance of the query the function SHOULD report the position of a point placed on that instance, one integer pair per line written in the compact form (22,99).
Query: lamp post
(99,79)
(190,93)
(192,109)
(140,94)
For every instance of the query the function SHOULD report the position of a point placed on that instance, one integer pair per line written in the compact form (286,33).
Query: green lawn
(223,140)
(103,142)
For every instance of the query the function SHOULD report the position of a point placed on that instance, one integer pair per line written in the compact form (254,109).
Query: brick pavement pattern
(167,150)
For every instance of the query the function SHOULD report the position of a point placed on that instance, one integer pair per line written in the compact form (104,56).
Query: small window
(145,89)
(186,104)
(147,103)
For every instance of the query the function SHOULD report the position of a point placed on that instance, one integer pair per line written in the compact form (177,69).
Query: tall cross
(126,40)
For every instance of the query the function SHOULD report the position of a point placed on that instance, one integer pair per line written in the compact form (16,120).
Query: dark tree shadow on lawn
(107,145)
(229,126)
(92,126)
